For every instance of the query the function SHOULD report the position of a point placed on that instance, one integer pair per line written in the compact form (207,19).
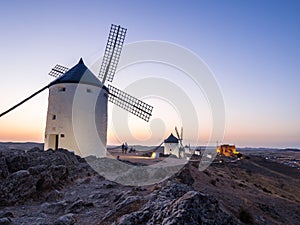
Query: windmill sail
(177,133)
(179,136)
(112,53)
(107,71)
(129,103)
(25,100)
(58,70)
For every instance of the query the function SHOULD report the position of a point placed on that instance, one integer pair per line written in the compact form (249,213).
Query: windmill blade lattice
(112,53)
(181,134)
(129,103)
(177,133)
(58,70)
(178,136)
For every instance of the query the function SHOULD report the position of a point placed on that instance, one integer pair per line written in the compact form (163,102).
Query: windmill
(173,145)
(73,129)
(180,139)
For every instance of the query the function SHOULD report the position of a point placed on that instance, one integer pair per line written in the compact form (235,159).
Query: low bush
(213,182)
(245,216)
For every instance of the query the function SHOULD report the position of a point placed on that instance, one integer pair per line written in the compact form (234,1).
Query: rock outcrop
(58,187)
(171,203)
(32,174)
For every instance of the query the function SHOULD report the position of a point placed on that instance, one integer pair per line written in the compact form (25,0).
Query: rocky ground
(58,187)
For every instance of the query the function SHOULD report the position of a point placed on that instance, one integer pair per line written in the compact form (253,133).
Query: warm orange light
(153,155)
(21,135)
(227,150)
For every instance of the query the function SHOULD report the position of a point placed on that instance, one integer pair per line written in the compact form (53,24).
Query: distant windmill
(61,129)
(173,145)
(180,139)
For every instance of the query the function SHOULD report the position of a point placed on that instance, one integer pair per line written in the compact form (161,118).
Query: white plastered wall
(171,148)
(77,113)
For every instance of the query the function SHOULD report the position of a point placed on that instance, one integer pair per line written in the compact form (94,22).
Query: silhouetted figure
(123,148)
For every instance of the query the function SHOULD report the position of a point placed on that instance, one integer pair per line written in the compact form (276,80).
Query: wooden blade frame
(25,100)
(177,133)
(112,53)
(181,134)
(58,70)
(129,103)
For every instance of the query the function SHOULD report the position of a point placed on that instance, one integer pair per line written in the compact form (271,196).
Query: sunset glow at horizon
(252,49)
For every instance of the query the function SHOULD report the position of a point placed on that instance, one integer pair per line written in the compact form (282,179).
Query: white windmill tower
(77,112)
(77,103)
(171,146)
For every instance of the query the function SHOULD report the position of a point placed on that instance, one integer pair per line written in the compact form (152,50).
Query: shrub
(207,173)
(245,216)
(239,155)
(213,182)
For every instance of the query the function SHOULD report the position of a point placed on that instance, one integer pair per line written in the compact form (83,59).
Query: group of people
(124,148)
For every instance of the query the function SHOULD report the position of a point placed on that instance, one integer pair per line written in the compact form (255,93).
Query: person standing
(126,148)
(123,148)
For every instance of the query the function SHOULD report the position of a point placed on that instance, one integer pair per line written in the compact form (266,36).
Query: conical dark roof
(78,74)
(171,139)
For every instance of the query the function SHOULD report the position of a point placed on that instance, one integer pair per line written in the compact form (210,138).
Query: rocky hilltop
(58,187)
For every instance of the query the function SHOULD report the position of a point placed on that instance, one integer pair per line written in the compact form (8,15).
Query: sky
(251,47)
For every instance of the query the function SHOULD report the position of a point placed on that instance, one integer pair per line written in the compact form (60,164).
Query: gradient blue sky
(252,47)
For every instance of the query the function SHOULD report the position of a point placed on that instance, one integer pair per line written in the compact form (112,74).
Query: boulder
(67,219)
(184,175)
(177,203)
(35,173)
(54,196)
(17,187)
(5,221)
(3,168)
(54,208)
(78,206)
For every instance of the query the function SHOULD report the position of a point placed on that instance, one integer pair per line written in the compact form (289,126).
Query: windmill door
(53,141)
(56,141)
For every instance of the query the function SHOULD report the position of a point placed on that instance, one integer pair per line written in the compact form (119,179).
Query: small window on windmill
(53,117)
(88,90)
(62,135)
(61,89)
